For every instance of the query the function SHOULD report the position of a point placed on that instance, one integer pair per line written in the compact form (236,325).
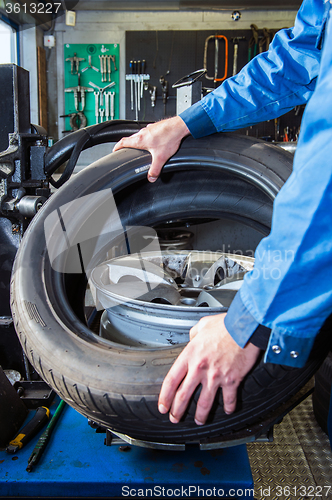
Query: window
(8,42)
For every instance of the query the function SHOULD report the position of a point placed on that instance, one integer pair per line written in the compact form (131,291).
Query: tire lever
(29,430)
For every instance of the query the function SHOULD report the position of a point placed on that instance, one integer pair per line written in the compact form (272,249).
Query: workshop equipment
(102,59)
(164,91)
(109,67)
(235,41)
(79,94)
(90,66)
(216,39)
(188,90)
(137,79)
(265,40)
(131,66)
(29,430)
(44,438)
(12,410)
(153,93)
(253,42)
(74,63)
(99,97)
(112,95)
(78,464)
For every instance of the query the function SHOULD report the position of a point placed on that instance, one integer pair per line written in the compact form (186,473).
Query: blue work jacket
(290,288)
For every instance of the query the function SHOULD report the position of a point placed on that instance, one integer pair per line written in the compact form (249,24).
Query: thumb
(158,161)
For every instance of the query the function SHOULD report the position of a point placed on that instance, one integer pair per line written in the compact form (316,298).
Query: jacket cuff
(288,350)
(198,121)
(239,321)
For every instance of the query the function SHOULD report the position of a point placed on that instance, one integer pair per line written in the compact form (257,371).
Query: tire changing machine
(79,461)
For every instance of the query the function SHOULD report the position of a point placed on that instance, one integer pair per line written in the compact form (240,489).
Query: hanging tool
(90,66)
(265,40)
(216,39)
(131,86)
(74,63)
(103,68)
(107,106)
(29,430)
(137,78)
(96,93)
(235,41)
(79,94)
(44,438)
(253,42)
(153,93)
(101,114)
(109,68)
(112,95)
(143,67)
(164,91)
(101,90)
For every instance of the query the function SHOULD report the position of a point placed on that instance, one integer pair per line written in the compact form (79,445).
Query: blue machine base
(76,463)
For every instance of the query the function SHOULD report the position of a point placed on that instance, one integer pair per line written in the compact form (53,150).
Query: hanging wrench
(96,106)
(107,105)
(112,104)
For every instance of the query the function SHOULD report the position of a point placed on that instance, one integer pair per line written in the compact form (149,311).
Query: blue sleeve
(273,83)
(290,288)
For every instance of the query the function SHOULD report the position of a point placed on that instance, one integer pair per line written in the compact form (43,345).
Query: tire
(322,393)
(117,386)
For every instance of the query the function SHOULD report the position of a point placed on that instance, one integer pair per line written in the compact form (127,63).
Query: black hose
(71,146)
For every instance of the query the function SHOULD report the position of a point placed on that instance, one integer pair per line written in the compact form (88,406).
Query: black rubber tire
(322,393)
(118,386)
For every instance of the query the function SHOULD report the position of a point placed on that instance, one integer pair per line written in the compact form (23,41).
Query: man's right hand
(162,139)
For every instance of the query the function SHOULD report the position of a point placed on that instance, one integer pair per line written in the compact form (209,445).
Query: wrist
(180,127)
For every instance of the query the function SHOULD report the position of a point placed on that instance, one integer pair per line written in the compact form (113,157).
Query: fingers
(183,396)
(171,384)
(204,404)
(229,393)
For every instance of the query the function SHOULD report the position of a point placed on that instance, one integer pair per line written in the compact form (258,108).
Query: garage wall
(110,27)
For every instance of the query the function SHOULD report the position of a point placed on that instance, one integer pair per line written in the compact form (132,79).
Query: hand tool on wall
(103,68)
(137,78)
(131,67)
(96,93)
(109,69)
(29,430)
(235,41)
(107,106)
(74,63)
(79,94)
(112,95)
(143,68)
(101,90)
(216,39)
(265,40)
(164,91)
(101,114)
(44,438)
(77,120)
(253,42)
(153,93)
(135,87)
(90,66)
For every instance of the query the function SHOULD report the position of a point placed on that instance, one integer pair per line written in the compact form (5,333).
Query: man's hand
(211,358)
(162,139)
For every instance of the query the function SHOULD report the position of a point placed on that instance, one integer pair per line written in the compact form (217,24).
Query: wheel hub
(154,298)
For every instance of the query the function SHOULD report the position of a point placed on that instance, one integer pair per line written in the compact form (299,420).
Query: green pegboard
(87,64)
